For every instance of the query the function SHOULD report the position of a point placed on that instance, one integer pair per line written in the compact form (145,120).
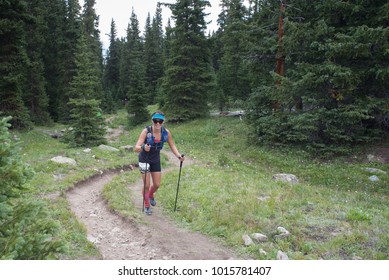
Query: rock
(282,230)
(263,197)
(127,148)
(262,252)
(108,148)
(282,233)
(87,150)
(374,158)
(289,178)
(259,237)
(374,178)
(282,256)
(374,170)
(247,240)
(59,176)
(93,239)
(370,158)
(228,114)
(64,160)
(56,135)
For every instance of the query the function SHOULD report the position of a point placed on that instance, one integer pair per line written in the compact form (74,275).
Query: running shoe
(153,202)
(148,211)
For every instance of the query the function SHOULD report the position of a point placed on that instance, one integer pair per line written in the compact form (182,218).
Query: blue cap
(158,116)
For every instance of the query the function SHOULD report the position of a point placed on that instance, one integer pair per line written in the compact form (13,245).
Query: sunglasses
(157,121)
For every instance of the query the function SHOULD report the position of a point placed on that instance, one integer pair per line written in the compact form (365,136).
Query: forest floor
(150,237)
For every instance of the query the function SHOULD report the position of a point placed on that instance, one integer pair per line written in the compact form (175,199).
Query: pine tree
(153,53)
(112,68)
(136,94)
(168,41)
(188,75)
(52,50)
(90,25)
(71,28)
(153,56)
(233,78)
(87,123)
(335,86)
(13,57)
(27,231)
(85,111)
(35,92)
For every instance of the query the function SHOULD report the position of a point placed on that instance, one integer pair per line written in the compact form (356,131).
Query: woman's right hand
(147,148)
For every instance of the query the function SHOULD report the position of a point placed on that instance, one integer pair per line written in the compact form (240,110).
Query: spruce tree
(35,96)
(112,68)
(153,53)
(233,75)
(52,50)
(27,231)
(188,75)
(136,93)
(125,62)
(90,25)
(71,28)
(334,89)
(85,115)
(13,58)
(153,57)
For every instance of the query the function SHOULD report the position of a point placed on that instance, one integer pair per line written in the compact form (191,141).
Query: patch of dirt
(378,153)
(154,237)
(114,133)
(381,154)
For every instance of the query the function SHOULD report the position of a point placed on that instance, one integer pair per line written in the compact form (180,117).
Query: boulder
(64,160)
(282,233)
(374,178)
(108,148)
(374,170)
(247,240)
(284,177)
(259,237)
(127,148)
(282,256)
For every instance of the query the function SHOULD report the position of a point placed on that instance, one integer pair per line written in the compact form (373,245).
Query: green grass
(335,212)
(72,232)
(333,205)
(119,196)
(38,148)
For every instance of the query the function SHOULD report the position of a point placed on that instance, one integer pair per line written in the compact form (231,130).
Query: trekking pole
(144,190)
(144,186)
(178,185)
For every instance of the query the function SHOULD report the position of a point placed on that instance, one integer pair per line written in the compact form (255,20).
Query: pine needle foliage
(335,89)
(26,229)
(13,57)
(86,118)
(188,75)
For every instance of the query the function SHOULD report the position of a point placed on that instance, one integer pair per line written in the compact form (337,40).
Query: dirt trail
(154,237)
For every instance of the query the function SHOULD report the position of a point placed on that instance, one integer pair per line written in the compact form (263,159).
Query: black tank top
(153,156)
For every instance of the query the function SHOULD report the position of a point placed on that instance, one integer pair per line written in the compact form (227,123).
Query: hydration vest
(150,139)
